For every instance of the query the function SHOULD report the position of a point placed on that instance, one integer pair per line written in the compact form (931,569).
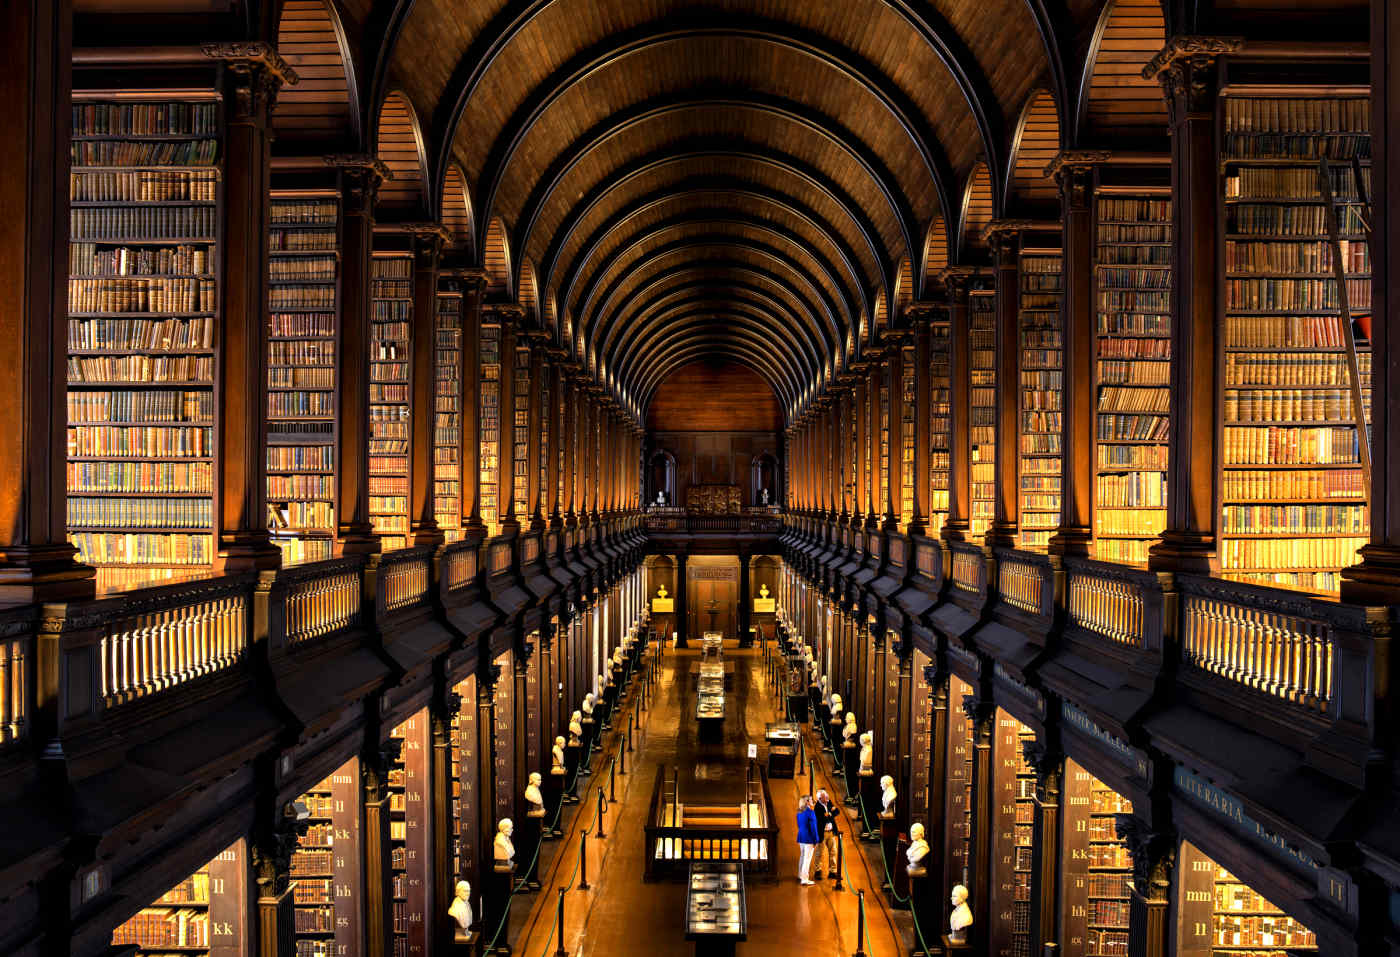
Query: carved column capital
(1153,853)
(257,72)
(1185,67)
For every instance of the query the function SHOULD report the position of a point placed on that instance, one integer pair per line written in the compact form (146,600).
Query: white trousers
(804,862)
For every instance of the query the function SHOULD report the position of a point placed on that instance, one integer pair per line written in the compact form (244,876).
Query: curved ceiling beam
(810,178)
(687,313)
(502,29)
(729,291)
(1047,13)
(384,23)
(710,349)
(605,306)
(762,196)
(746,225)
(713,333)
(771,108)
(615,48)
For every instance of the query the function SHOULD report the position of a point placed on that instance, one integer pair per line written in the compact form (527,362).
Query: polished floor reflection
(620,914)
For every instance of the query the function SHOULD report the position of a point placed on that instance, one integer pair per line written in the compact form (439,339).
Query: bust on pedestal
(833,726)
(533,829)
(501,881)
(959,921)
(554,784)
(460,910)
(576,728)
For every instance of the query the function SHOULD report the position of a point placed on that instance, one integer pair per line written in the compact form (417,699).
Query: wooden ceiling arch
(675,206)
(455,210)
(936,250)
(399,145)
(324,106)
(1028,190)
(497,261)
(1114,97)
(978,209)
(706,330)
(528,293)
(718,347)
(903,289)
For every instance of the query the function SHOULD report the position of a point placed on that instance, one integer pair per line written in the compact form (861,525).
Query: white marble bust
(587,705)
(558,753)
(918,846)
(887,794)
(961,918)
(867,752)
(460,909)
(504,848)
(850,733)
(533,797)
(836,706)
(825,691)
(576,726)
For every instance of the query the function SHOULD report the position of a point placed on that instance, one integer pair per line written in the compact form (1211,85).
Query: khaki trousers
(826,854)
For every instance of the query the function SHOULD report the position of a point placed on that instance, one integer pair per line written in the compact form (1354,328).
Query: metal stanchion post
(582,859)
(860,926)
(602,814)
(840,860)
(622,756)
(559,926)
(612,782)
(631,725)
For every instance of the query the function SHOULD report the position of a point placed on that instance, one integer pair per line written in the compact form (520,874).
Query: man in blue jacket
(807,838)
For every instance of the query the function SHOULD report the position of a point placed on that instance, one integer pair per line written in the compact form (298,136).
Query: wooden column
(253,73)
(427,253)
(1376,580)
(745,603)
(874,385)
(442,710)
(375,843)
(360,177)
(894,458)
(923,348)
(1154,858)
(554,496)
(862,459)
(842,451)
(1049,770)
(1006,515)
(682,609)
(36,559)
(570,447)
(1075,531)
(505,479)
(982,715)
(957,528)
(1186,69)
(832,454)
(935,823)
(539,375)
(469,406)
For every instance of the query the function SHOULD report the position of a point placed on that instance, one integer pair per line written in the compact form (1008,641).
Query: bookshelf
(520,436)
(940,458)
(1132,290)
(447,414)
(490,426)
(906,435)
(1013,834)
(1042,389)
(408,835)
(961,747)
(1096,869)
(303,279)
(1224,917)
(466,785)
(542,396)
(143,314)
(326,867)
(882,487)
(1296,374)
(982,331)
(201,915)
(391,291)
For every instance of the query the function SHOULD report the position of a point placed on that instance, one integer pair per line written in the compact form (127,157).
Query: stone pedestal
(889,845)
(850,763)
(554,783)
(870,800)
(833,732)
(919,892)
(499,882)
(527,847)
(572,754)
(590,737)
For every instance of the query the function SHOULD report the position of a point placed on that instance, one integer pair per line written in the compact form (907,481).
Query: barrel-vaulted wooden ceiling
(756,181)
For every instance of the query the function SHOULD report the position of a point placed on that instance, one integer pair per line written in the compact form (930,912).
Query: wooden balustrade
(969,568)
(403,578)
(1265,639)
(498,557)
(322,599)
(1106,604)
(459,566)
(1023,581)
(15,688)
(160,638)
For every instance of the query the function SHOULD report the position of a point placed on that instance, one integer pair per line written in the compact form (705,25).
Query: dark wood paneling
(714,397)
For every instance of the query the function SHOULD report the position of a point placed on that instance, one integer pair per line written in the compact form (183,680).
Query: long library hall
(890,478)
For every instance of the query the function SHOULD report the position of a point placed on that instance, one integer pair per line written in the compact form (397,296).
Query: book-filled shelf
(983,411)
(520,436)
(1042,388)
(447,412)
(882,488)
(409,853)
(489,426)
(907,410)
(1013,830)
(326,868)
(1097,871)
(1132,283)
(391,293)
(1224,917)
(1294,354)
(542,396)
(201,915)
(961,752)
(940,404)
(303,279)
(143,314)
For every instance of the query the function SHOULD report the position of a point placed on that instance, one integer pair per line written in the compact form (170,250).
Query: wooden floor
(620,914)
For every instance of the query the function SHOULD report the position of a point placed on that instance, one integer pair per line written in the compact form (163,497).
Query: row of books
(283,405)
(1296,519)
(1148,301)
(395,311)
(130,335)
(1125,277)
(302,325)
(1288,553)
(1148,457)
(165,405)
(1124,551)
(141,295)
(1135,208)
(1288,486)
(146,440)
(1284,332)
(118,153)
(1295,183)
(1131,399)
(1139,254)
(1280,445)
(1285,405)
(1312,114)
(1145,489)
(297,240)
(1127,347)
(116,548)
(1137,373)
(1337,146)
(391,288)
(1273,219)
(304,352)
(1129,323)
(304,212)
(302,297)
(1291,257)
(193,513)
(304,487)
(155,927)
(301,377)
(1144,522)
(1287,369)
(388,394)
(1133,428)
(300,458)
(143,222)
(152,118)
(1117,234)
(301,268)
(305,515)
(300,428)
(145,186)
(185,259)
(1293,295)
(193,478)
